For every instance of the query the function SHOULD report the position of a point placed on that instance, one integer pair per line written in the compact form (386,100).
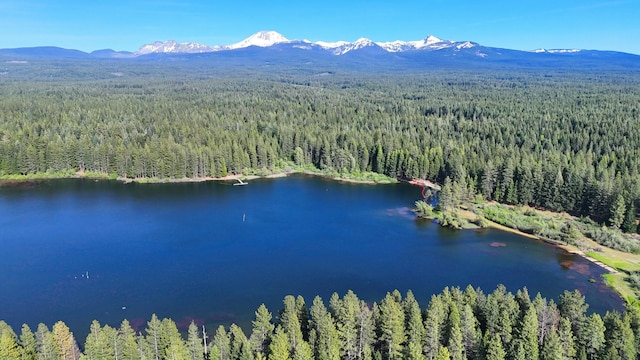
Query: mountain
(173,47)
(270,38)
(269,48)
(260,39)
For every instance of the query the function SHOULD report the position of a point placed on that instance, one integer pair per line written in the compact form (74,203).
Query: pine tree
(262,331)
(572,306)
(528,333)
(194,343)
(552,348)
(443,354)
(28,342)
(592,336)
(154,331)
(290,323)
(280,346)
(471,334)
(494,349)
(46,347)
(9,348)
(433,324)
(222,343)
(629,224)
(172,345)
(65,342)
(324,337)
(366,332)
(455,345)
(617,212)
(97,346)
(567,340)
(391,327)
(237,340)
(414,324)
(346,313)
(127,345)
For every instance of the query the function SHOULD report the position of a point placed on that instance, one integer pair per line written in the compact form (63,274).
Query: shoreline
(468,215)
(15,179)
(567,248)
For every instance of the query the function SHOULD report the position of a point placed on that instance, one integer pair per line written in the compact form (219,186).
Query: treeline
(456,324)
(559,141)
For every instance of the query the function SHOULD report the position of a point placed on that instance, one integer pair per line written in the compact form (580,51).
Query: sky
(89,25)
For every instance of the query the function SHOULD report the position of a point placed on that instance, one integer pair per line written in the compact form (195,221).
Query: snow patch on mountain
(429,43)
(271,38)
(174,47)
(261,39)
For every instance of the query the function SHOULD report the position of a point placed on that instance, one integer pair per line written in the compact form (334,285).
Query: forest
(560,140)
(456,324)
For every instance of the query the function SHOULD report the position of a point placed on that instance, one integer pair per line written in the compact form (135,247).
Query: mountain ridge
(270,48)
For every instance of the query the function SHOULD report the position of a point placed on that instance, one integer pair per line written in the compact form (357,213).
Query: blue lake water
(78,250)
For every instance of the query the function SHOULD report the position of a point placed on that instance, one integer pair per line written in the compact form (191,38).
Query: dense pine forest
(558,140)
(456,324)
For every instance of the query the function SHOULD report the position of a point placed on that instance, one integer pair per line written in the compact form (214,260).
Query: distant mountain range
(270,46)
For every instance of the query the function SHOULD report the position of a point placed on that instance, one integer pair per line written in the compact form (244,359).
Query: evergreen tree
(324,335)
(46,347)
(567,340)
(154,331)
(280,346)
(617,212)
(391,327)
(366,332)
(194,343)
(494,349)
(64,341)
(28,342)
(443,354)
(127,344)
(414,323)
(528,333)
(98,346)
(433,325)
(471,334)
(222,344)
(552,348)
(237,341)
(262,330)
(290,323)
(619,336)
(9,348)
(629,224)
(592,336)
(572,306)
(455,345)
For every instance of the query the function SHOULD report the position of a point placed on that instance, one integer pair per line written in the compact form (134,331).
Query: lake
(77,250)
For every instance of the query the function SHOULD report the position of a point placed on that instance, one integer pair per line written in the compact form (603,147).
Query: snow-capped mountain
(271,38)
(174,47)
(261,39)
(556,51)
(356,45)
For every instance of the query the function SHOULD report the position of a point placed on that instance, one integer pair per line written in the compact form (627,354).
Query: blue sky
(127,24)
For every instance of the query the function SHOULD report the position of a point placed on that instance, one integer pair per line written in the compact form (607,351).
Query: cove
(77,250)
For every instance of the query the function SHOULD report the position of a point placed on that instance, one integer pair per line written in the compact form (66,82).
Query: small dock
(425,183)
(240,183)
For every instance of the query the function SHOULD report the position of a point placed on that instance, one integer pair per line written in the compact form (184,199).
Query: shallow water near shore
(77,250)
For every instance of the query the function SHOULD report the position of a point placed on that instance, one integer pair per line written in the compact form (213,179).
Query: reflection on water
(78,250)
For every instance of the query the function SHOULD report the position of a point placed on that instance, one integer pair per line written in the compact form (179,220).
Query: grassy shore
(569,233)
(248,174)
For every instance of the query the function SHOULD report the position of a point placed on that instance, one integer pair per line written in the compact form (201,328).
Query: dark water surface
(78,250)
